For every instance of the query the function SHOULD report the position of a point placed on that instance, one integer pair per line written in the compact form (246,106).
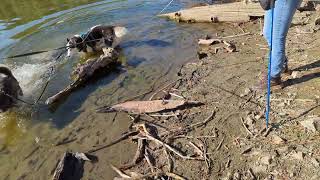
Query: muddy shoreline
(237,145)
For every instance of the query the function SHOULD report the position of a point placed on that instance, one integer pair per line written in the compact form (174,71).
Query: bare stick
(228,163)
(148,135)
(164,115)
(137,157)
(175,176)
(123,137)
(122,174)
(220,144)
(192,137)
(267,132)
(233,36)
(203,122)
(199,151)
(173,94)
(169,159)
(147,156)
(245,127)
(166,86)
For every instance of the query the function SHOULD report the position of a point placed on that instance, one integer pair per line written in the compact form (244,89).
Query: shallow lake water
(153,48)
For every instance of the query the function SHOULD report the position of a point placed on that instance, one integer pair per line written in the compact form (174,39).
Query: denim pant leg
(283,13)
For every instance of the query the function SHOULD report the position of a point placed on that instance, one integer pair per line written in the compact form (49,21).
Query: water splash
(31,77)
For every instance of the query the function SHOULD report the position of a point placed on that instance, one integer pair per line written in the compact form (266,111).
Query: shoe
(275,83)
(286,69)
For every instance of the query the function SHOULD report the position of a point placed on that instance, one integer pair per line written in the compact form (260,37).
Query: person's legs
(283,13)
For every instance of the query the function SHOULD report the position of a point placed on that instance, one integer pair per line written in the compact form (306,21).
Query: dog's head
(75,42)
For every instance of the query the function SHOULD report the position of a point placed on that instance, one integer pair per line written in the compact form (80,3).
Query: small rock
(298,156)
(277,139)
(246,92)
(266,160)
(283,150)
(315,162)
(312,124)
(306,6)
(294,74)
(259,169)
(250,121)
(237,176)
(292,174)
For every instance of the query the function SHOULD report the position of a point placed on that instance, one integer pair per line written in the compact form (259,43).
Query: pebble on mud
(315,162)
(266,160)
(298,156)
(312,124)
(294,74)
(277,139)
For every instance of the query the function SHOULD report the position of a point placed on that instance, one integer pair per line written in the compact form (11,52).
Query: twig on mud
(199,151)
(205,155)
(32,152)
(147,156)
(260,132)
(169,159)
(175,176)
(123,137)
(245,127)
(120,173)
(164,115)
(251,173)
(147,134)
(189,128)
(228,163)
(233,36)
(193,137)
(138,156)
(196,125)
(163,88)
(115,116)
(220,144)
(176,95)
(267,132)
(245,151)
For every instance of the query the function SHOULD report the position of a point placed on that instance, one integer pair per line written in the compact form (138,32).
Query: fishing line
(166,7)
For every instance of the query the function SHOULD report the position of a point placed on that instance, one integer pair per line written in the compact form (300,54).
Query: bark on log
(228,12)
(85,71)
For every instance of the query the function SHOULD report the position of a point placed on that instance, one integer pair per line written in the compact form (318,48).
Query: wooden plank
(227,12)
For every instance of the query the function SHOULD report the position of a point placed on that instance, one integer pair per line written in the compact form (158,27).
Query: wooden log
(228,12)
(85,71)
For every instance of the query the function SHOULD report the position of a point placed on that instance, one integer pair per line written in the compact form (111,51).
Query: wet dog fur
(9,89)
(97,38)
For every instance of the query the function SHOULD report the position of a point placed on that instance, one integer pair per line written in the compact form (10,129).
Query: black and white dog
(97,38)
(9,89)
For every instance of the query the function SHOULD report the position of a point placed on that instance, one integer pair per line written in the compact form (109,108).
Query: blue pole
(269,70)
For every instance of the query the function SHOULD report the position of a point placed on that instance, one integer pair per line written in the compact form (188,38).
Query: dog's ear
(68,39)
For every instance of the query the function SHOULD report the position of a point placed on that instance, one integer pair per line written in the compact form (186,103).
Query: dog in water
(9,89)
(97,38)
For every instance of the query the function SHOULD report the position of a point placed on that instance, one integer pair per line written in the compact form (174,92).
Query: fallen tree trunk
(227,12)
(85,71)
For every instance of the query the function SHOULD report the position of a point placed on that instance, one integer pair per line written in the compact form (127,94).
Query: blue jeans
(283,13)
